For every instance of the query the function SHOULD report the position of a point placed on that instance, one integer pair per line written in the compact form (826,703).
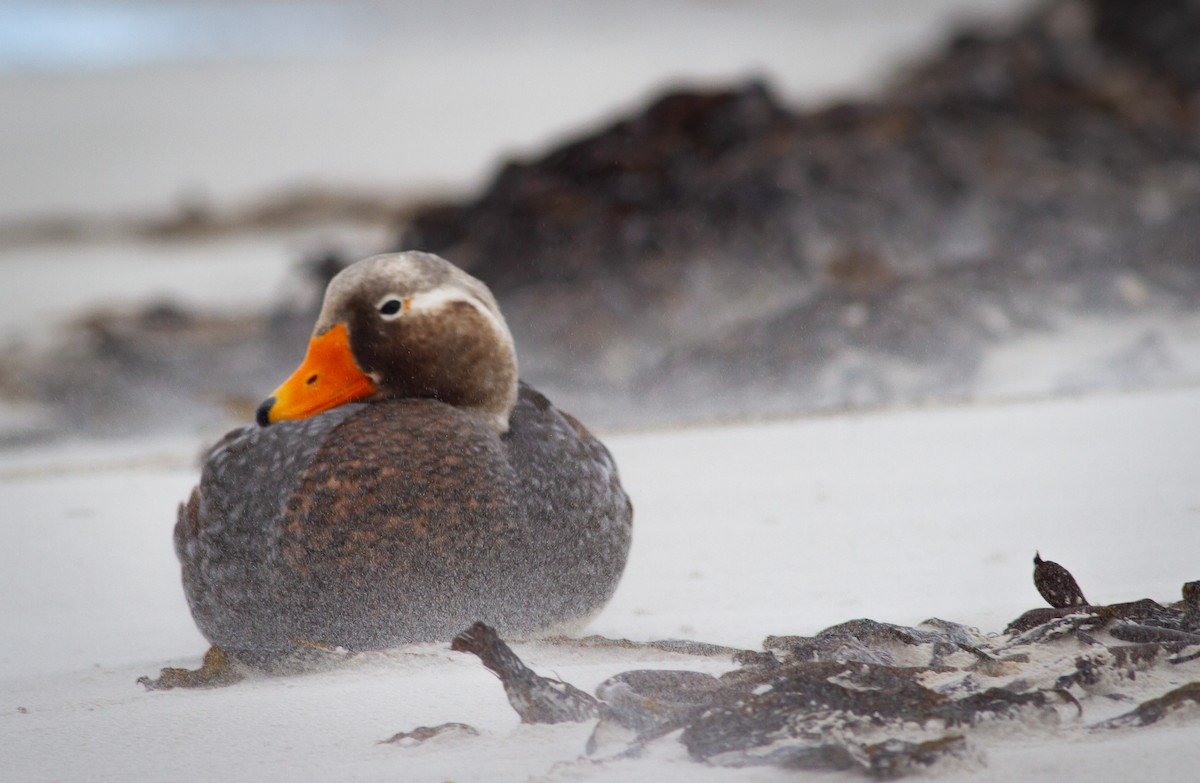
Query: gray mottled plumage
(401,519)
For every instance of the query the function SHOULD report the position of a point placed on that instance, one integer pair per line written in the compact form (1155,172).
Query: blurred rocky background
(1016,213)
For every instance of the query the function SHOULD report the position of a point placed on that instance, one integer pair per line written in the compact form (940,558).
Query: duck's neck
(494,392)
(476,377)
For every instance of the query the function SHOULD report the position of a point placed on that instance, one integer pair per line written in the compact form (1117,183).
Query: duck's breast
(228,535)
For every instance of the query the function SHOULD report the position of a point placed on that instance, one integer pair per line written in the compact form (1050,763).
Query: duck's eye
(390,307)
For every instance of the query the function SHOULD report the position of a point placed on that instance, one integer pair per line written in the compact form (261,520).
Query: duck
(401,485)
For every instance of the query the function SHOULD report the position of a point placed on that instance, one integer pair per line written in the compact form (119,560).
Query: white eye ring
(392,307)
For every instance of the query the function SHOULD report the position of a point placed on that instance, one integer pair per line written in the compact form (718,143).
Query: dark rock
(1144,611)
(1149,634)
(1155,710)
(536,699)
(839,700)
(1191,606)
(425,733)
(1044,624)
(788,700)
(595,207)
(644,701)
(895,758)
(870,641)
(217,671)
(1040,625)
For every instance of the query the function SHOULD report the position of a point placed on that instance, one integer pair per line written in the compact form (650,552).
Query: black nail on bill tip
(264,411)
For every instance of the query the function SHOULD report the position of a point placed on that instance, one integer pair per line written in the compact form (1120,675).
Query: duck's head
(404,325)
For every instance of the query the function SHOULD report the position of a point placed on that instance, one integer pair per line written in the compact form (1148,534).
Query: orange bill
(328,377)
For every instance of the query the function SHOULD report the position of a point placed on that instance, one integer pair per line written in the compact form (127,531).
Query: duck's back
(373,525)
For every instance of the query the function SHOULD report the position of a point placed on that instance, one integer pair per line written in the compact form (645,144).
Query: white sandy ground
(783,527)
